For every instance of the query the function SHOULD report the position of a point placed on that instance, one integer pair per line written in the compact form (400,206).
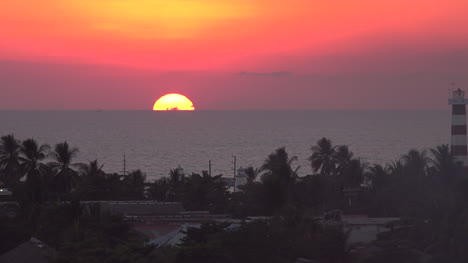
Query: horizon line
(217,110)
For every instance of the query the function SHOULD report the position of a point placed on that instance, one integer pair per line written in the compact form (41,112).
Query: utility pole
(209,167)
(235,168)
(124,166)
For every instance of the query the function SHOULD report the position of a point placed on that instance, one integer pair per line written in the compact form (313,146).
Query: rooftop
(140,208)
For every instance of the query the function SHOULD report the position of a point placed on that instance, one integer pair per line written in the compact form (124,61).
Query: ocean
(157,142)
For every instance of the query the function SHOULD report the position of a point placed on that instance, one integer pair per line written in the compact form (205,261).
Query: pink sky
(232,55)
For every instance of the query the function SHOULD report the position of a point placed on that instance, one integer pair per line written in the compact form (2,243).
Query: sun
(173,101)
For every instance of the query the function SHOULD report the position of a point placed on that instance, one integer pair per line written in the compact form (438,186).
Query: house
(241,179)
(165,235)
(173,234)
(364,229)
(361,228)
(139,208)
(5,193)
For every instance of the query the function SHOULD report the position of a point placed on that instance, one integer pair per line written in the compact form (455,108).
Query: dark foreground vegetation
(428,190)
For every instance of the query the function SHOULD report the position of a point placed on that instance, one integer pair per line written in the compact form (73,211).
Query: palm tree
(279,164)
(203,192)
(160,190)
(415,170)
(377,176)
(353,174)
(93,169)
(322,158)
(31,156)
(251,173)
(175,177)
(135,178)
(10,149)
(416,162)
(444,162)
(279,177)
(65,171)
(395,168)
(135,184)
(343,157)
(95,184)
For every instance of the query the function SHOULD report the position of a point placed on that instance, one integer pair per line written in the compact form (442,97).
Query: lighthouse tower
(459,141)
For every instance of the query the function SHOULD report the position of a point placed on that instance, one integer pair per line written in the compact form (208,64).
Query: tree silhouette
(134,183)
(353,174)
(251,173)
(342,158)
(323,157)
(93,169)
(10,149)
(377,176)
(95,184)
(66,174)
(32,166)
(444,163)
(278,177)
(204,192)
(416,163)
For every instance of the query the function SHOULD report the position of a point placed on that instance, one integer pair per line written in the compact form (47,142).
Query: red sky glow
(232,54)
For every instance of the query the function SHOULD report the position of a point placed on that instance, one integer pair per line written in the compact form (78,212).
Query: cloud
(265,74)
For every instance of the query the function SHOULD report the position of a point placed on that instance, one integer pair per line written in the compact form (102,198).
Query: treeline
(427,188)
(38,172)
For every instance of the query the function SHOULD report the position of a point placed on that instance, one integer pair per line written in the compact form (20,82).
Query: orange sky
(312,41)
(207,34)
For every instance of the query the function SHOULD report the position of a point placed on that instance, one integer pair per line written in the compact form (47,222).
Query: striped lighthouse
(458,140)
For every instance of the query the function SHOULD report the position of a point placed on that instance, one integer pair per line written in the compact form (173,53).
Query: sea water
(157,142)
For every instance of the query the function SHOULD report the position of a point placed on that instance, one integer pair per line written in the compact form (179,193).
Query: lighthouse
(458,140)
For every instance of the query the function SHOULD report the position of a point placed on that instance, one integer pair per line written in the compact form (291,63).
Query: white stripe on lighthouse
(459,140)
(458,120)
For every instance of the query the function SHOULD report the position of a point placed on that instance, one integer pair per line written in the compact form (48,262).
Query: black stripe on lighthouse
(458,129)
(459,150)
(458,109)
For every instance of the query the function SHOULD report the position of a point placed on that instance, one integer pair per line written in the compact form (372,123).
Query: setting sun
(173,101)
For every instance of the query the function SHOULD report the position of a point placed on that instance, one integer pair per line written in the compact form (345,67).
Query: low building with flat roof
(139,208)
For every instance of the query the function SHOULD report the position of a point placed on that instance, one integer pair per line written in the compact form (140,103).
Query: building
(351,195)
(458,131)
(361,228)
(229,181)
(180,172)
(241,178)
(5,193)
(172,233)
(161,223)
(139,208)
